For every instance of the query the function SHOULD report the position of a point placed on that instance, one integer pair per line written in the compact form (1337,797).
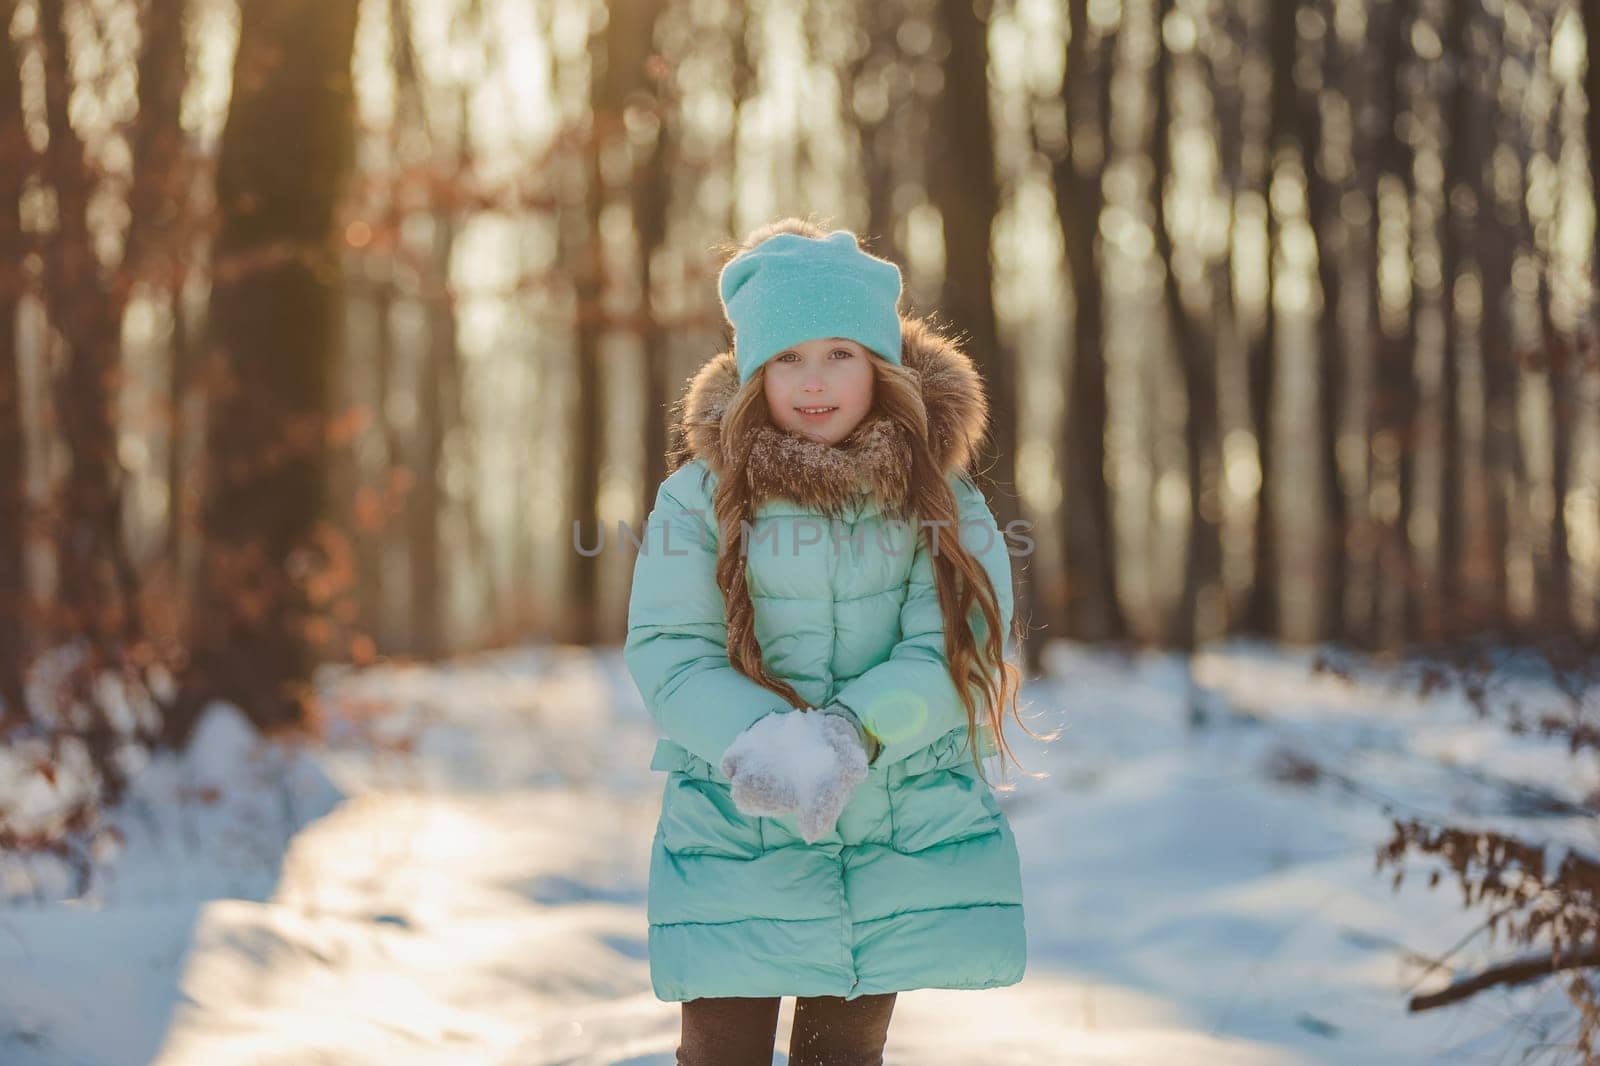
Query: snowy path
(477,895)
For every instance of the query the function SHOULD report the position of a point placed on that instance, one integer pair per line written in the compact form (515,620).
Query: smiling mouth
(816,410)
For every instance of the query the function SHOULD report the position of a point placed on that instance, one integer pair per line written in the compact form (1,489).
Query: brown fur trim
(875,457)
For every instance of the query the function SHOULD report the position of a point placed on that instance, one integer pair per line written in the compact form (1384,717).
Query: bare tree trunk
(161,177)
(477,558)
(1394,402)
(16,163)
(964,188)
(1262,614)
(97,582)
(162,182)
(1322,209)
(584,437)
(619,62)
(1501,442)
(650,207)
(404,460)
(373,590)
(1562,372)
(426,499)
(1195,355)
(1406,570)
(1224,80)
(743,75)
(1092,609)
(94,578)
(650,192)
(1589,11)
(1496,242)
(881,133)
(1555,575)
(1445,604)
(178,382)
(1524,238)
(276,311)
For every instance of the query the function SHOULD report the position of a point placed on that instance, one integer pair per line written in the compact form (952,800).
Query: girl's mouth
(816,414)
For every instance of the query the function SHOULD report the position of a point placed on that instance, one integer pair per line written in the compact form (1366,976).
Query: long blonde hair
(981,674)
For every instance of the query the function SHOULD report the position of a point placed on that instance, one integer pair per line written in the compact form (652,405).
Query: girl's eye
(793,357)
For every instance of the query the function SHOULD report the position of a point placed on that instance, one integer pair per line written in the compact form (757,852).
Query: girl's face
(819,388)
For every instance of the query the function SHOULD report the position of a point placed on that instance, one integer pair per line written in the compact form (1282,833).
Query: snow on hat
(791,288)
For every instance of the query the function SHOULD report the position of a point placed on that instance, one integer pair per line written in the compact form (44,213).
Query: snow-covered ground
(460,878)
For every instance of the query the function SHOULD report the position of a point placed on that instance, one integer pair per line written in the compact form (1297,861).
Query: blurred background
(330,331)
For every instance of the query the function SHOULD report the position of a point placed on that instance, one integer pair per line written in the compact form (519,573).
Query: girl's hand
(801,762)
(829,789)
(762,784)
(868,741)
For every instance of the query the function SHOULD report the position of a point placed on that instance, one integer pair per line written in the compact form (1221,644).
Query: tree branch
(1516,972)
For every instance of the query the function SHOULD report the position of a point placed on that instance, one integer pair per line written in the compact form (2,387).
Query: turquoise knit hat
(790,288)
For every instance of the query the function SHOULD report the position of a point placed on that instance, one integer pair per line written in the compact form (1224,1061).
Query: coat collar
(874,459)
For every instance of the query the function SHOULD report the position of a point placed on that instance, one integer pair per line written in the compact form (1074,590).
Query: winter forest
(342,348)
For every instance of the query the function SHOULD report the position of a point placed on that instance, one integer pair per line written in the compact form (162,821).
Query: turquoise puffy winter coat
(918,886)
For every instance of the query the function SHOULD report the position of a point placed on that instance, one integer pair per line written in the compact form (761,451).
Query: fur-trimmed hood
(875,457)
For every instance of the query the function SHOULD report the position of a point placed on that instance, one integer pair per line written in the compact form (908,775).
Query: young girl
(817,625)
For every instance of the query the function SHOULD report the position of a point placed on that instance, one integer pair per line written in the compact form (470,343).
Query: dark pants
(828,1031)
